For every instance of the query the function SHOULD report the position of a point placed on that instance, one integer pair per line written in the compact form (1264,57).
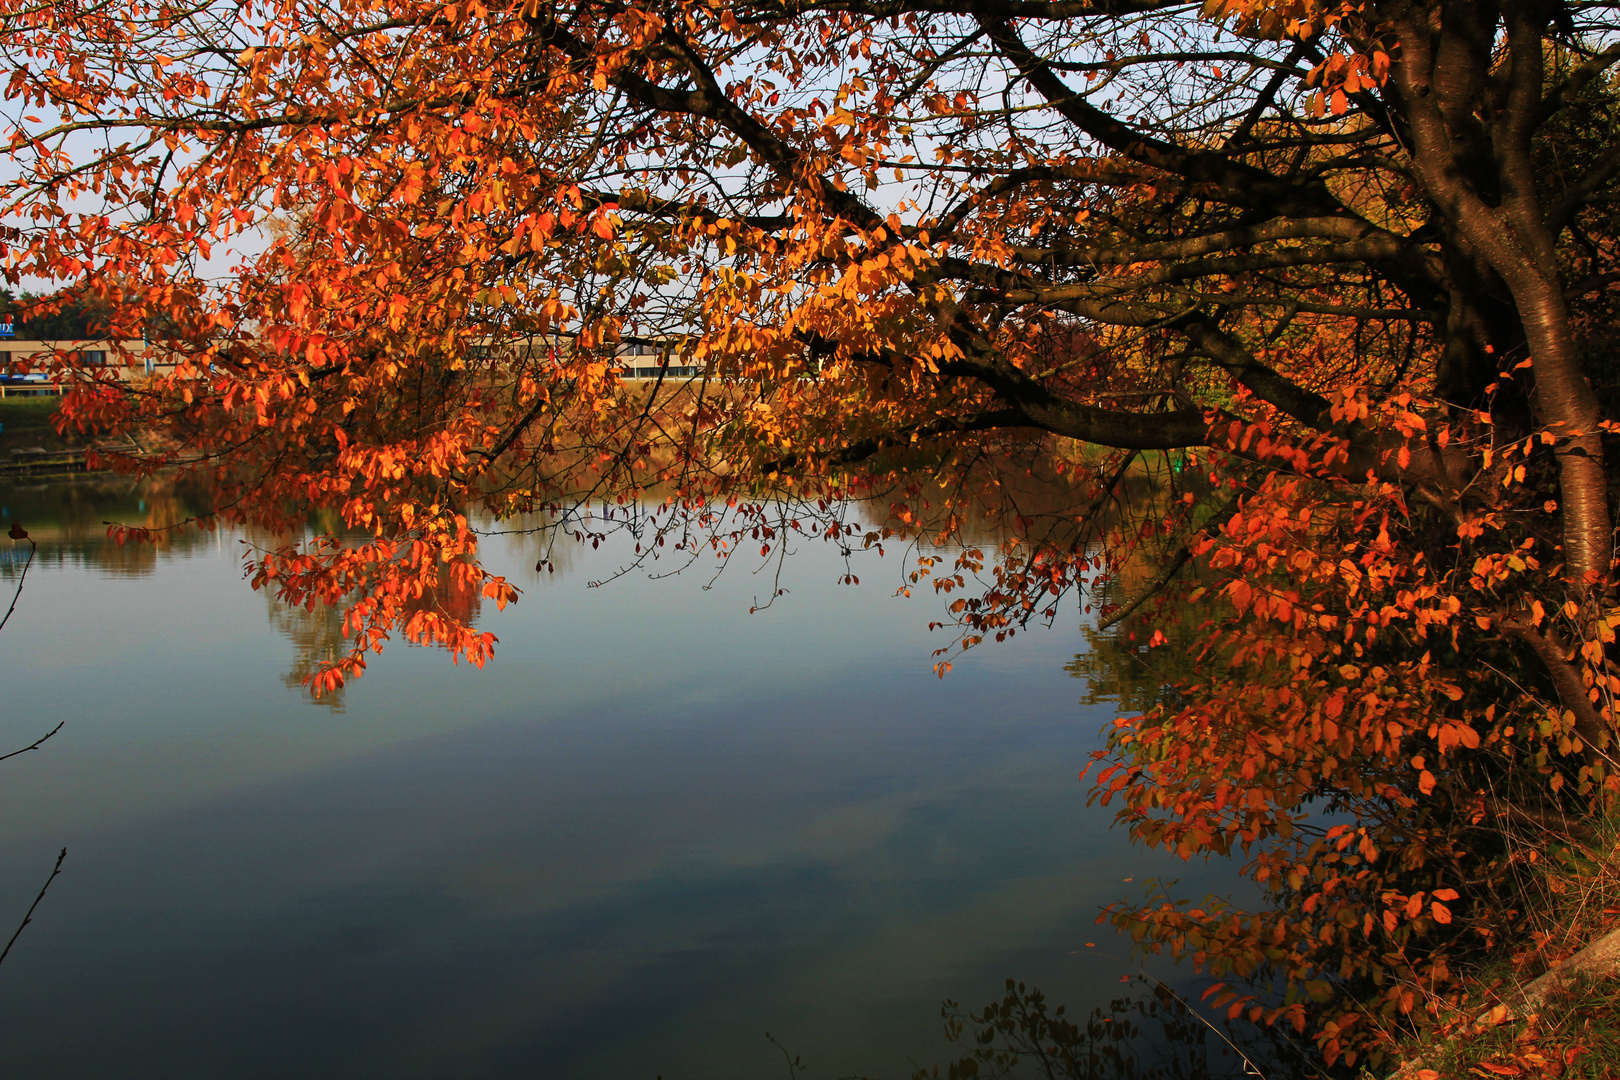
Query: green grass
(27,422)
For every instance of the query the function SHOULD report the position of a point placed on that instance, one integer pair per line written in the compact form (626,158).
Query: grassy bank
(1574,1034)
(27,424)
(1570,889)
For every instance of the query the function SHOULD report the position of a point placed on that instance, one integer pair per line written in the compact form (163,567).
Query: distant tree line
(53,318)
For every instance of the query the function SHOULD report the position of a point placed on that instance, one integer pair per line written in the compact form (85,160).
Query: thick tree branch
(1577,80)
(1225,179)
(1566,679)
(1373,249)
(1189,247)
(1005,9)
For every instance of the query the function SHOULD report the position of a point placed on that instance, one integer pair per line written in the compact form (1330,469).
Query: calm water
(656,828)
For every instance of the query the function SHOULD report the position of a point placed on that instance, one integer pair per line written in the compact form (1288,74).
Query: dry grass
(1571,893)
(1574,1036)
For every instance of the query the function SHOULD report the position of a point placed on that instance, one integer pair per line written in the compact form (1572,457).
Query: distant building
(131,360)
(24,363)
(668,359)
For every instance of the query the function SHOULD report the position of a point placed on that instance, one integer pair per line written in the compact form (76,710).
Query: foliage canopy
(1346,268)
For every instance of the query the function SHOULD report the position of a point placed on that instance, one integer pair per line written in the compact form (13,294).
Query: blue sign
(7,327)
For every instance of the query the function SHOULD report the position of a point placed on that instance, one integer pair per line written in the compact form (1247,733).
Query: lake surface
(655,828)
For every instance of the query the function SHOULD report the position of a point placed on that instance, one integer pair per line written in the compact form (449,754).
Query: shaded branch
(1170,569)
(28,918)
(33,549)
(1566,679)
(37,743)
(1229,181)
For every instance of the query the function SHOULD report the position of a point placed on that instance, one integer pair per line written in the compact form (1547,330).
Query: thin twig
(36,743)
(33,549)
(1250,1068)
(794,1064)
(57,869)
(1171,568)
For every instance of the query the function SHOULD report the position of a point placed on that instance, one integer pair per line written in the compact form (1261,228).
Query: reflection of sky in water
(654,829)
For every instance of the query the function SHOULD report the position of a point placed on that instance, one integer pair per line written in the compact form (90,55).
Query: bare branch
(28,918)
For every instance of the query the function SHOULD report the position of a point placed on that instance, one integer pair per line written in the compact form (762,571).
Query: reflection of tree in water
(543,549)
(317,634)
(69,520)
(1031,499)
(1151,1035)
(1120,668)
(317,640)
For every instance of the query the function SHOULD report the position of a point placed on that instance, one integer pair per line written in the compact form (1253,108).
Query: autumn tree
(1341,273)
